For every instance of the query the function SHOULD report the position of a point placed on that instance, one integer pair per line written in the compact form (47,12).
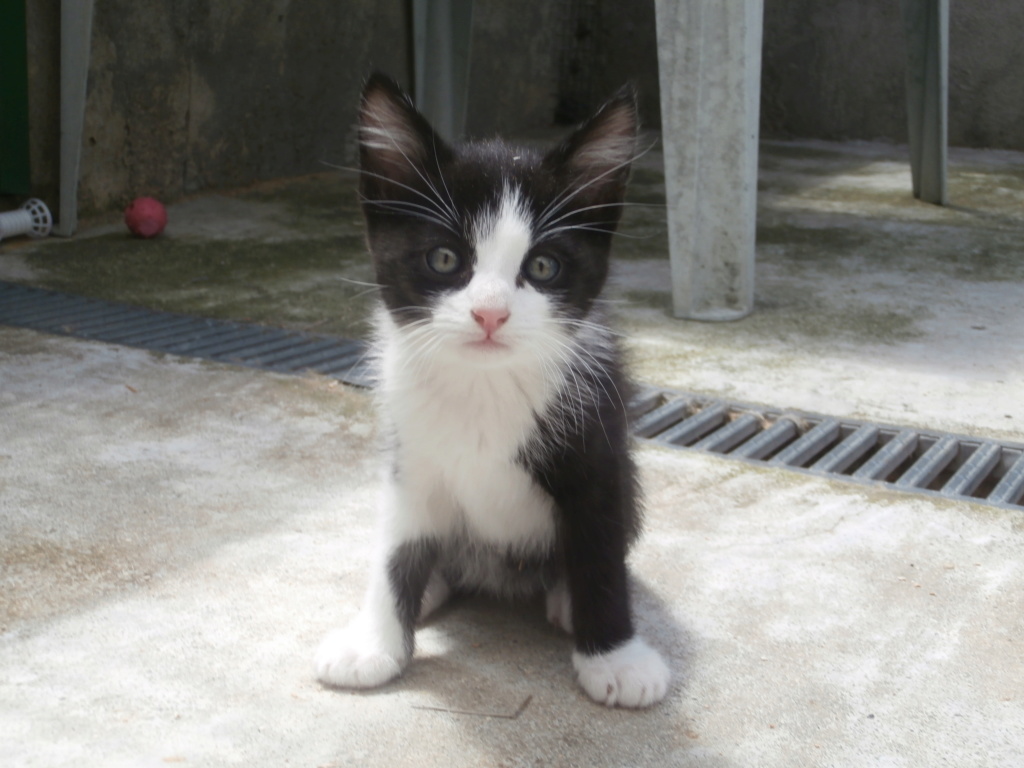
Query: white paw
(354,658)
(632,675)
(559,606)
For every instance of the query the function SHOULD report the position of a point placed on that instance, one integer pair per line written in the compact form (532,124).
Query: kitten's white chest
(459,437)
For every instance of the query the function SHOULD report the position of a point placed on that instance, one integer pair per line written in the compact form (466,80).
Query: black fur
(587,471)
(409,569)
(467,176)
(591,476)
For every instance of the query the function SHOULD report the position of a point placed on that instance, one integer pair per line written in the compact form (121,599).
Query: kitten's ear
(597,155)
(396,143)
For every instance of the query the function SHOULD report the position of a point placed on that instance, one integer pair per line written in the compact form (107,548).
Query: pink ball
(145,217)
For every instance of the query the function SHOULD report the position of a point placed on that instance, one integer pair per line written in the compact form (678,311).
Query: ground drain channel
(247,344)
(951,466)
(917,461)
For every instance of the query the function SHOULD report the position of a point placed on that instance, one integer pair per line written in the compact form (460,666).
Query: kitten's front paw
(352,658)
(632,675)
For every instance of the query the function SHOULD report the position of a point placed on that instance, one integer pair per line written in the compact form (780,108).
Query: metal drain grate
(253,346)
(952,466)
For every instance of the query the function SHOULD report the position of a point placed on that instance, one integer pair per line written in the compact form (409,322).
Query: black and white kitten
(501,391)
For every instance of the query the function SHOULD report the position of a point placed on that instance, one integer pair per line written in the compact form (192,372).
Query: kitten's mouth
(487,344)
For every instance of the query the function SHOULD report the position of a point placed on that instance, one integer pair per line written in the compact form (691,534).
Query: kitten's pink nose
(490,319)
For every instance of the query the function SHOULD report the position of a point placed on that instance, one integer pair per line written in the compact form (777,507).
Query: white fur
(559,606)
(457,444)
(385,130)
(460,411)
(502,237)
(354,658)
(632,675)
(371,650)
(434,596)
(459,416)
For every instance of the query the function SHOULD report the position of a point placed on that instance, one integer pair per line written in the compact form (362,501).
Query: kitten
(501,391)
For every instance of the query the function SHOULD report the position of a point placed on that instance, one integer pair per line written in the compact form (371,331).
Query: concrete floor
(177,536)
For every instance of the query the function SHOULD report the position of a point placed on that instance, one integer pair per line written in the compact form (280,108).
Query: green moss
(791,151)
(312,203)
(813,162)
(296,270)
(792,314)
(816,244)
(862,323)
(306,268)
(297,283)
(909,248)
(996,260)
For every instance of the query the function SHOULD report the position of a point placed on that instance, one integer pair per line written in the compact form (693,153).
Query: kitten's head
(488,249)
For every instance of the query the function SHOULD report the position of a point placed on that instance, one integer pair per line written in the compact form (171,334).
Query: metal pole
(75,39)
(709,54)
(926,25)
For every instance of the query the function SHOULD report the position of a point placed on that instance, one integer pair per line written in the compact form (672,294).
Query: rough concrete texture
(176,537)
(837,71)
(710,60)
(195,94)
(514,50)
(869,303)
(192,94)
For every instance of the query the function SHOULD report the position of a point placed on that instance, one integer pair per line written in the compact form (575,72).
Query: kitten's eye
(542,269)
(443,260)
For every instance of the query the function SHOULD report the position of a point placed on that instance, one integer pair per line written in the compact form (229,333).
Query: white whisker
(447,209)
(563,199)
(550,233)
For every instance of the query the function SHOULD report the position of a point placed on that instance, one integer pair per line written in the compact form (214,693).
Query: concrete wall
(43,33)
(835,70)
(192,94)
(513,60)
(986,76)
(529,57)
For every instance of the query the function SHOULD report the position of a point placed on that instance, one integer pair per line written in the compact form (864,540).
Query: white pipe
(32,219)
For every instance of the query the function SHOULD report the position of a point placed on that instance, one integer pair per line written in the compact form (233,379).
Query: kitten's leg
(435,595)
(614,666)
(377,646)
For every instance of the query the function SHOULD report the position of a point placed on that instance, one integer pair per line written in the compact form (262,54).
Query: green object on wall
(14,168)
